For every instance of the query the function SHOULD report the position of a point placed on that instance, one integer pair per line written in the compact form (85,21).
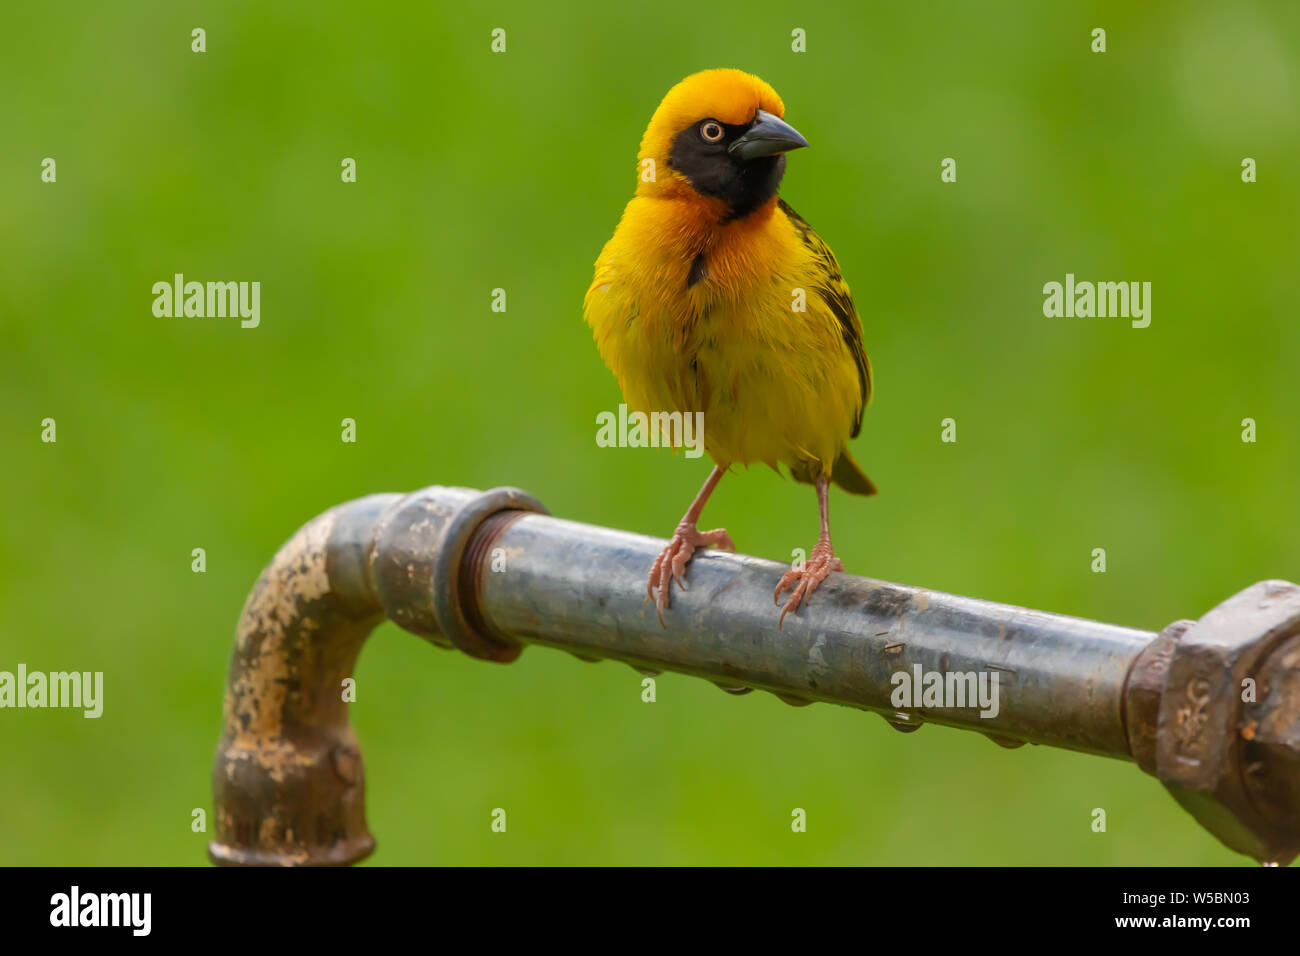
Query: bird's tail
(849,476)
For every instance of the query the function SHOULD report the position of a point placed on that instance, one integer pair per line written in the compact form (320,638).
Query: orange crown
(728,96)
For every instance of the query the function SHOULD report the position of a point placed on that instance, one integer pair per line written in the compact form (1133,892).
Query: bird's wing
(834,291)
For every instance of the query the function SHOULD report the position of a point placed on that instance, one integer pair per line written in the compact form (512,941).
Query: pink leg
(671,563)
(820,563)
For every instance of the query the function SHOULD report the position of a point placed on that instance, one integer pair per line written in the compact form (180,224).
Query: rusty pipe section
(490,572)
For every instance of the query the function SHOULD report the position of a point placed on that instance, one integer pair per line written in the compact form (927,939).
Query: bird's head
(718,137)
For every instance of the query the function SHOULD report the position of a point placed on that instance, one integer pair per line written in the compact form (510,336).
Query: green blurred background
(479,170)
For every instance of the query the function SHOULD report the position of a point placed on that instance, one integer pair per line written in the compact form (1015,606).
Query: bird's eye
(711,131)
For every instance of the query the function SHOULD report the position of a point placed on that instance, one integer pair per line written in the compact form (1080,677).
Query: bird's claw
(806,579)
(671,564)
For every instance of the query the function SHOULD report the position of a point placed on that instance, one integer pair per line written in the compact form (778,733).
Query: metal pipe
(567,585)
(490,572)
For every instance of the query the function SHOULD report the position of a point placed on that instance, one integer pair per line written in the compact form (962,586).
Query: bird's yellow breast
(729,322)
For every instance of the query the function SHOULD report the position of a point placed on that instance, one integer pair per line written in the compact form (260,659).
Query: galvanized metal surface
(568,585)
(489,573)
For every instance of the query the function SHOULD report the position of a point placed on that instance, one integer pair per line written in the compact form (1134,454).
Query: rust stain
(255,700)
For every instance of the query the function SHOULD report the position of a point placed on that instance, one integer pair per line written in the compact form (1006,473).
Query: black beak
(766,137)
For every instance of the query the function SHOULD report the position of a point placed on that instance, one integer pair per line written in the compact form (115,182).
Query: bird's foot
(672,560)
(806,579)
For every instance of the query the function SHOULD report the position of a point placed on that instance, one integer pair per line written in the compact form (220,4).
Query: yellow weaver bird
(715,296)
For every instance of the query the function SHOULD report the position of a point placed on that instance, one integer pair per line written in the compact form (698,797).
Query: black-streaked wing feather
(834,291)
